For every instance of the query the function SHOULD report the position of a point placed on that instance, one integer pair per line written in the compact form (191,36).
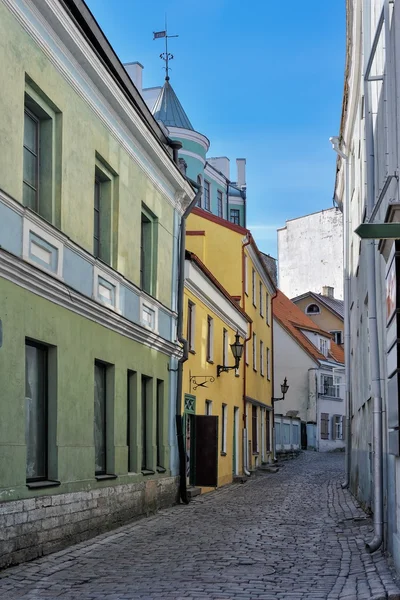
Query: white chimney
(328,291)
(135,72)
(222,164)
(241,172)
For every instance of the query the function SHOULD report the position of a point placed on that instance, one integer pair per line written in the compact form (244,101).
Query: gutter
(183,341)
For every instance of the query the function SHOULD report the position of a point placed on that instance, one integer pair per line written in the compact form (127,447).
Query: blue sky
(262,80)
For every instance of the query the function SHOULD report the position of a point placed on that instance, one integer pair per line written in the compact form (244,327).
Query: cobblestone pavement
(291,535)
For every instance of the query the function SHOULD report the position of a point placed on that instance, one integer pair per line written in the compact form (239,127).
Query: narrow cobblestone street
(292,535)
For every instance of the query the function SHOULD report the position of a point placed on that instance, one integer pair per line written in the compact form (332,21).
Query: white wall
(291,361)
(310,254)
(331,407)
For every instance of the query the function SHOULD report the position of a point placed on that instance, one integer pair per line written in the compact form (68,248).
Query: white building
(313,365)
(369,144)
(310,251)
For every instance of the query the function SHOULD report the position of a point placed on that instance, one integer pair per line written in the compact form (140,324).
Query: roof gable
(169,110)
(335,305)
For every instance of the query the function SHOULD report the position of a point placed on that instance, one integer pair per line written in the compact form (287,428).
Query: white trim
(261,357)
(98,271)
(210,342)
(59,239)
(29,225)
(225,347)
(312,313)
(268,355)
(260,269)
(46,286)
(246,275)
(235,200)
(214,174)
(193,155)
(209,295)
(150,306)
(224,422)
(192,333)
(188,134)
(71,69)
(255,349)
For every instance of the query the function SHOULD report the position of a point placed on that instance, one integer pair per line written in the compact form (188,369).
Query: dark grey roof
(270,263)
(168,109)
(334,304)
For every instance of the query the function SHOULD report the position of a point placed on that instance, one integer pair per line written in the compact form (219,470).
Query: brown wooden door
(206,450)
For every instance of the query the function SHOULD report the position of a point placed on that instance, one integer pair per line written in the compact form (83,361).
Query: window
(144,424)
(148,252)
(220,204)
(207,202)
(41,155)
(96,223)
(246,281)
(208,408)
(268,364)
(210,338)
(261,300)
(261,357)
(36,407)
(159,422)
(337,433)
(268,430)
(254,421)
(191,325)
(330,386)
(234,216)
(200,182)
(323,346)
(225,348)
(337,336)
(253,286)
(131,378)
(324,426)
(312,309)
(267,311)
(224,428)
(254,352)
(247,352)
(100,434)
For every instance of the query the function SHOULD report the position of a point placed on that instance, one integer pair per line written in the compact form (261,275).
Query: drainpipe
(245,435)
(271,317)
(183,341)
(377,540)
(227,199)
(346,289)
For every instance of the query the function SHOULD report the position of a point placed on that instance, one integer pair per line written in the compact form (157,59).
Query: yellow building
(231,254)
(325,310)
(212,388)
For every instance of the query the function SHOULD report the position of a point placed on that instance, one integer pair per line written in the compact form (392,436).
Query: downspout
(245,448)
(271,316)
(346,294)
(183,341)
(377,540)
(227,199)
(316,406)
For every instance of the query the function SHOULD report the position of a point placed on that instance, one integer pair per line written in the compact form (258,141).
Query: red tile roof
(292,318)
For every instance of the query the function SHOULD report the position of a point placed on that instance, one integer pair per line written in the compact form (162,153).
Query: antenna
(165,56)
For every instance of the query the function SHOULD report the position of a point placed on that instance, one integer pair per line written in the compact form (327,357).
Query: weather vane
(166,56)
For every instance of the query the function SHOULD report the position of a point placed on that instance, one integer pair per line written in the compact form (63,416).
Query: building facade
(314,367)
(230,253)
(325,311)
(222,196)
(310,254)
(90,207)
(212,397)
(369,162)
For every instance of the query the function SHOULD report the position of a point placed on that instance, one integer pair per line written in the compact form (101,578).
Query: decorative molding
(103,283)
(235,200)
(184,152)
(192,136)
(33,252)
(27,276)
(67,68)
(148,315)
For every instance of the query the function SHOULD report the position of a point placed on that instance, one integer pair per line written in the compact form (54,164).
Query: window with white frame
(268,364)
(225,348)
(338,337)
(313,309)
(254,352)
(337,431)
(210,339)
(208,408)
(224,426)
(261,357)
(267,311)
(247,351)
(261,300)
(245,274)
(191,325)
(253,286)
(220,205)
(323,346)
(330,386)
(207,194)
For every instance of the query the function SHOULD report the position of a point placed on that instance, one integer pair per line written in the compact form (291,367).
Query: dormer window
(312,309)
(323,346)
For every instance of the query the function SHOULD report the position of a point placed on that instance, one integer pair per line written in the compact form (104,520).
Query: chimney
(222,164)
(328,291)
(135,72)
(241,172)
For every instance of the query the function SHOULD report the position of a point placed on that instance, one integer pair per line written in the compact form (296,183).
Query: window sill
(106,476)
(161,470)
(36,485)
(223,453)
(146,472)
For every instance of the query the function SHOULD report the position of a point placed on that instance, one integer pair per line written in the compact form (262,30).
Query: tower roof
(169,110)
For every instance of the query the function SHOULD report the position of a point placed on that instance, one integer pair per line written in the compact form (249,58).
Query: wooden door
(205,450)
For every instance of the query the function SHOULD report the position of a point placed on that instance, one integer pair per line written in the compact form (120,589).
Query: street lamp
(284,389)
(237,351)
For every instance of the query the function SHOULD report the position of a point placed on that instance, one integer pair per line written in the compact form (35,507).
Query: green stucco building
(90,209)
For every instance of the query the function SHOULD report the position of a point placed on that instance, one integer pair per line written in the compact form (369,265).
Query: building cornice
(189,134)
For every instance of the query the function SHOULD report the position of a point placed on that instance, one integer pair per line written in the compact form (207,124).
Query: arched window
(312,309)
(200,182)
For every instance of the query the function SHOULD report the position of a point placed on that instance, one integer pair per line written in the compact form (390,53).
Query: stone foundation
(37,526)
